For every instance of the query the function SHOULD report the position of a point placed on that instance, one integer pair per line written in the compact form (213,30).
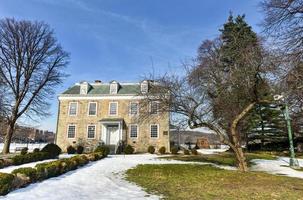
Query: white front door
(112,134)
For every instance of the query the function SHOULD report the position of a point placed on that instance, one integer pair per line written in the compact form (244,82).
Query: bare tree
(32,64)
(284,24)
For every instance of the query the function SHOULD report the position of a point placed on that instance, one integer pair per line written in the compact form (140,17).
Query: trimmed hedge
(28,172)
(174,150)
(70,150)
(6,183)
(52,149)
(30,157)
(151,149)
(44,171)
(80,149)
(102,149)
(24,151)
(162,150)
(129,149)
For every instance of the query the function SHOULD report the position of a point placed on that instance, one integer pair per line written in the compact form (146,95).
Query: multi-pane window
(133,129)
(91,131)
(154,107)
(133,108)
(72,111)
(154,130)
(92,108)
(71,131)
(113,108)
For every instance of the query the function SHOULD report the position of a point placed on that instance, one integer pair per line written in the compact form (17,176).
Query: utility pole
(293,162)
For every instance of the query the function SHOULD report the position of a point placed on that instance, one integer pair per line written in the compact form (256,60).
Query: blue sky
(122,39)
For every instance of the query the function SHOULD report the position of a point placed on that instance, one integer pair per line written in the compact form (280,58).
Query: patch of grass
(179,181)
(225,158)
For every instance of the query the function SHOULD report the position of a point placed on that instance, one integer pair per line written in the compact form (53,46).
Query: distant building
(184,137)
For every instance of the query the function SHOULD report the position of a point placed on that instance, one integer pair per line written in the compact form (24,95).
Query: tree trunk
(242,164)
(8,137)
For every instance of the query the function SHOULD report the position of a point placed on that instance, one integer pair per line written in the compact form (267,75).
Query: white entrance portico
(111,130)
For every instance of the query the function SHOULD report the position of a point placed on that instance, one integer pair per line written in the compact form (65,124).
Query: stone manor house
(96,113)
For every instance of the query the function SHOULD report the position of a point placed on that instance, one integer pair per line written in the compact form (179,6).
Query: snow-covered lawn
(279,166)
(212,151)
(104,180)
(30,147)
(32,164)
(98,180)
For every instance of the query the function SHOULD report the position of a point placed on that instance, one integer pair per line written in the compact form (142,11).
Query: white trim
(96,108)
(133,138)
(117,108)
(129,108)
(75,131)
(126,97)
(94,133)
(76,108)
(158,127)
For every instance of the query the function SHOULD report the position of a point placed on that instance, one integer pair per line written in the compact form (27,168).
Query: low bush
(162,150)
(24,151)
(6,181)
(52,149)
(36,150)
(186,152)
(27,171)
(71,150)
(174,150)
(194,152)
(102,149)
(80,149)
(44,171)
(151,149)
(30,157)
(129,149)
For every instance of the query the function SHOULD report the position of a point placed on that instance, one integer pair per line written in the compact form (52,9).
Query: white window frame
(115,89)
(117,108)
(68,130)
(94,133)
(144,87)
(130,103)
(92,102)
(130,131)
(158,128)
(150,107)
(77,107)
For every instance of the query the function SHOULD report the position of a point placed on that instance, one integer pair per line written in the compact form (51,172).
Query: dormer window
(84,87)
(113,88)
(144,87)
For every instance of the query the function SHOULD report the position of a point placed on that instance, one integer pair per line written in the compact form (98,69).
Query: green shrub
(174,150)
(30,157)
(162,150)
(194,152)
(27,171)
(36,150)
(71,150)
(151,149)
(52,149)
(80,149)
(6,181)
(129,149)
(24,151)
(186,152)
(103,149)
